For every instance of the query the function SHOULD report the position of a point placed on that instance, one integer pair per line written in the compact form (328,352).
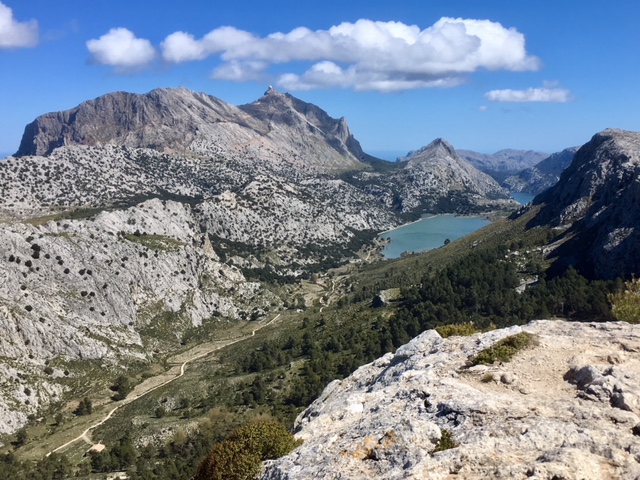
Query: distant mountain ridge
(503,161)
(277,135)
(543,175)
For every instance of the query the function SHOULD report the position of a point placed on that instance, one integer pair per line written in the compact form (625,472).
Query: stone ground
(565,409)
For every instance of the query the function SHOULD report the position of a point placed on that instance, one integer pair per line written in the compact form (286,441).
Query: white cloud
(14,34)
(121,49)
(330,75)
(180,47)
(549,95)
(483,108)
(365,55)
(240,71)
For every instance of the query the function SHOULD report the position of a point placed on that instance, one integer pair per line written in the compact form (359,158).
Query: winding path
(84,435)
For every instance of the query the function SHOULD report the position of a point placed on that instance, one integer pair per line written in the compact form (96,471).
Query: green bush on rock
(505,349)
(457,330)
(625,305)
(239,456)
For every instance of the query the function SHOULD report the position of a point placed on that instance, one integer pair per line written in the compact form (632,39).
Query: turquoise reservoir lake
(429,233)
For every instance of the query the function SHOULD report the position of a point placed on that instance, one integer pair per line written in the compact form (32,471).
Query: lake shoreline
(430,232)
(487,216)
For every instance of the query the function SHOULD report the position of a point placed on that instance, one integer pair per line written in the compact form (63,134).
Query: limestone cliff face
(120,286)
(277,126)
(322,141)
(164,118)
(568,408)
(595,202)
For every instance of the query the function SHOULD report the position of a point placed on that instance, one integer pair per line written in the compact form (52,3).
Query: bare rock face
(114,288)
(166,118)
(277,126)
(438,177)
(543,175)
(596,203)
(566,408)
(328,143)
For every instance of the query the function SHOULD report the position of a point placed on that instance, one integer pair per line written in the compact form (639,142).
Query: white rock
(559,428)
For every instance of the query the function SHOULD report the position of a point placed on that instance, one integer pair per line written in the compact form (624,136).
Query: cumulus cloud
(549,95)
(240,71)
(365,55)
(120,48)
(14,34)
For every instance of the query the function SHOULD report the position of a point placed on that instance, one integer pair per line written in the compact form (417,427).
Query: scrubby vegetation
(446,441)
(625,304)
(239,456)
(505,349)
(460,330)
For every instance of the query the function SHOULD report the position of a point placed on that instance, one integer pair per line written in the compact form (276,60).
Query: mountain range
(130,213)
(507,161)
(595,206)
(134,223)
(542,175)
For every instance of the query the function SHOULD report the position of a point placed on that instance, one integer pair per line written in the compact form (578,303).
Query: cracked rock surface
(565,409)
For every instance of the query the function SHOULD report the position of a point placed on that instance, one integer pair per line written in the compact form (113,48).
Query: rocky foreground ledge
(567,408)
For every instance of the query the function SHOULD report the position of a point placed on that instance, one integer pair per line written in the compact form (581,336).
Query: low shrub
(457,330)
(625,305)
(446,441)
(505,349)
(239,456)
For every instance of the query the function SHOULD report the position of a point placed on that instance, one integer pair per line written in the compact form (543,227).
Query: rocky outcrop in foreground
(567,408)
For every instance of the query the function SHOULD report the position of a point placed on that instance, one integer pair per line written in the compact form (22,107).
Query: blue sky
(487,75)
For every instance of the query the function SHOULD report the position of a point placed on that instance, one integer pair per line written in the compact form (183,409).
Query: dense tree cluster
(85,407)
(53,467)
(478,290)
(119,457)
(482,288)
(122,387)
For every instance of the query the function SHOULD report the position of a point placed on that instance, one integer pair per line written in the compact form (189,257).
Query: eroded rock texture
(567,408)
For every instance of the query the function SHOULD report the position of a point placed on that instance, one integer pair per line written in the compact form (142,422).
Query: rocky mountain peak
(437,148)
(177,121)
(163,119)
(595,202)
(437,171)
